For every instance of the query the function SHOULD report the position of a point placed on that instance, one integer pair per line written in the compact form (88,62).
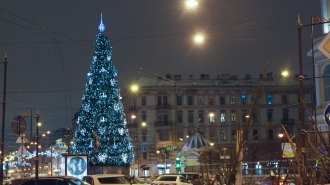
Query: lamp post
(51,160)
(3,120)
(315,20)
(37,149)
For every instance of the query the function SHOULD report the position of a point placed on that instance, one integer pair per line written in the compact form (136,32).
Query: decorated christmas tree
(101,132)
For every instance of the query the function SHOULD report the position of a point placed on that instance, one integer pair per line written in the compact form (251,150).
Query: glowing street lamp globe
(198,38)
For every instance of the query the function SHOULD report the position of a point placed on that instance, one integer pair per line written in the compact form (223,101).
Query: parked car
(152,178)
(194,178)
(272,180)
(171,180)
(51,180)
(104,179)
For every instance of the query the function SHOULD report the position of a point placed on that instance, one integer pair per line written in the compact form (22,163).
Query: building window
(165,118)
(136,138)
(232,100)
(233,117)
(253,98)
(144,155)
(258,169)
(223,135)
(233,135)
(211,116)
(326,81)
(160,118)
(285,113)
(269,115)
(144,117)
(243,99)
(143,101)
(254,117)
(212,136)
(162,100)
(222,117)
(200,100)
(284,99)
(245,168)
(190,100)
(222,100)
(270,134)
(144,136)
(190,116)
(163,135)
(180,135)
(179,116)
(269,99)
(211,101)
(201,116)
(159,100)
(179,100)
(255,132)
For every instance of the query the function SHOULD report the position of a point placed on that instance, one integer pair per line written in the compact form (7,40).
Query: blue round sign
(77,165)
(326,114)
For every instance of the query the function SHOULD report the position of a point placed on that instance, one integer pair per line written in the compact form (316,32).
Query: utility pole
(3,120)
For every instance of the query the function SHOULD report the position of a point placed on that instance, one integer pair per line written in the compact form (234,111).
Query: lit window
(243,99)
(233,117)
(269,99)
(223,135)
(222,117)
(211,116)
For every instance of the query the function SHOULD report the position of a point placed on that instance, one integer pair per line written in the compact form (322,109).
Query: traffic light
(177,163)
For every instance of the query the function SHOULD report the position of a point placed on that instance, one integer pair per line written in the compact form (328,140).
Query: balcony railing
(163,106)
(168,123)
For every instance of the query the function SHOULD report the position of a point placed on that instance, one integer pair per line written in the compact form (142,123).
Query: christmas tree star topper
(101,26)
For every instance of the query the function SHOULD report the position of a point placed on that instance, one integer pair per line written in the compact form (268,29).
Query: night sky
(49,45)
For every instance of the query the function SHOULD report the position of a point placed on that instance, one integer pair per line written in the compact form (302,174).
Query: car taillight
(213,178)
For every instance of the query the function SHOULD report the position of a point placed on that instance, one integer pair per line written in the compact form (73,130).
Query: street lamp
(285,73)
(191,3)
(199,38)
